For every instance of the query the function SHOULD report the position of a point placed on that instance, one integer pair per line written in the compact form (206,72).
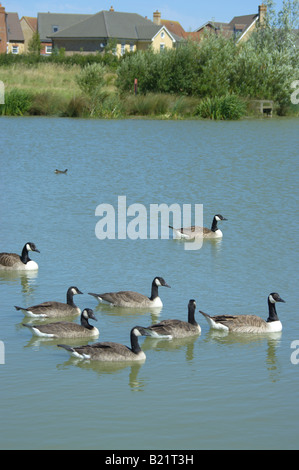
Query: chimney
(157,17)
(3,30)
(262,13)
(111,9)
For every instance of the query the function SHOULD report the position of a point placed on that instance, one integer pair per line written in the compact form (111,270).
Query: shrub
(17,103)
(147,105)
(225,107)
(76,107)
(91,79)
(47,104)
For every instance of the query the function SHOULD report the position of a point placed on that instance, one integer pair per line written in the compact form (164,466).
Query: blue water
(210,392)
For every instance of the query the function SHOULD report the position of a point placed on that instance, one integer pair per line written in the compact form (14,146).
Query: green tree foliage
(263,67)
(34,45)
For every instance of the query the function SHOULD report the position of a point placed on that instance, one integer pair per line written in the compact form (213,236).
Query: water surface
(210,392)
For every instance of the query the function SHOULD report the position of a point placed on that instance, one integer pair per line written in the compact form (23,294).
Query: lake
(214,391)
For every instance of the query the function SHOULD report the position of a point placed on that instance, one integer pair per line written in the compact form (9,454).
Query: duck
(248,323)
(65,329)
(13,261)
(134,299)
(176,328)
(189,233)
(54,309)
(109,351)
(62,172)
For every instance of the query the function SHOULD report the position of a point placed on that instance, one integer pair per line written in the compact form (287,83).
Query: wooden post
(135,86)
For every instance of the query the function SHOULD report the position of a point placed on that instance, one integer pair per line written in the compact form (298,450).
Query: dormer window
(54,29)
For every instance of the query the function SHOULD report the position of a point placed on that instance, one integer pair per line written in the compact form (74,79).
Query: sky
(190,14)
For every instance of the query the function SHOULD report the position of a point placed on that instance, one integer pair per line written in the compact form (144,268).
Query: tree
(35,46)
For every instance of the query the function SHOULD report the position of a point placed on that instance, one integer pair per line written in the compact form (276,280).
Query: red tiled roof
(32,22)
(174,27)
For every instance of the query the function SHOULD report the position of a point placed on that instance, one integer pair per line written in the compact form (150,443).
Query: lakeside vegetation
(217,79)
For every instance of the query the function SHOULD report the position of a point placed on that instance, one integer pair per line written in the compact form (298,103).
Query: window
(48,49)
(15,49)
(54,29)
(162,35)
(122,49)
(131,47)
(162,46)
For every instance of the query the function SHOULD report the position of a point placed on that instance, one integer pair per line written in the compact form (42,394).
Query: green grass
(52,90)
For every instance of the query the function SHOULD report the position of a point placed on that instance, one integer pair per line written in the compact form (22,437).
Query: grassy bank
(54,90)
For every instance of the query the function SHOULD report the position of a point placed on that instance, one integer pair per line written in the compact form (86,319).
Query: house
(240,27)
(177,29)
(174,27)
(11,34)
(128,32)
(50,23)
(29,27)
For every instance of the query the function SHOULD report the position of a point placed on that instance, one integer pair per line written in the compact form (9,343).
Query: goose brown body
(109,351)
(193,232)
(65,329)
(52,309)
(176,328)
(134,299)
(248,323)
(13,261)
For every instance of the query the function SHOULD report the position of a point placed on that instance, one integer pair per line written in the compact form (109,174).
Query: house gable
(15,37)
(29,27)
(130,30)
(240,27)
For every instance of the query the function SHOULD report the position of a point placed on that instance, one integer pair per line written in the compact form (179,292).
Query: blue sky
(191,14)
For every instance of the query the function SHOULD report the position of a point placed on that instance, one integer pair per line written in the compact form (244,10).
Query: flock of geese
(110,351)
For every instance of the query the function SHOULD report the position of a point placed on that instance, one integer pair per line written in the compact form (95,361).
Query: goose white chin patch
(157,282)
(271,299)
(136,332)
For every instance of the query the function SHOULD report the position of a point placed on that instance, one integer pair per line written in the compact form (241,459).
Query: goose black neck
(154,292)
(134,343)
(25,256)
(214,225)
(69,299)
(272,312)
(85,322)
(191,314)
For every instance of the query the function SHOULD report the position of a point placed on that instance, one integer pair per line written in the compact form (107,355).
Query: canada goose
(55,309)
(176,328)
(65,329)
(12,261)
(61,172)
(194,231)
(248,323)
(134,299)
(108,351)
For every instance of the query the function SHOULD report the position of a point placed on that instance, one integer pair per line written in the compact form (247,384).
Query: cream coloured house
(127,32)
